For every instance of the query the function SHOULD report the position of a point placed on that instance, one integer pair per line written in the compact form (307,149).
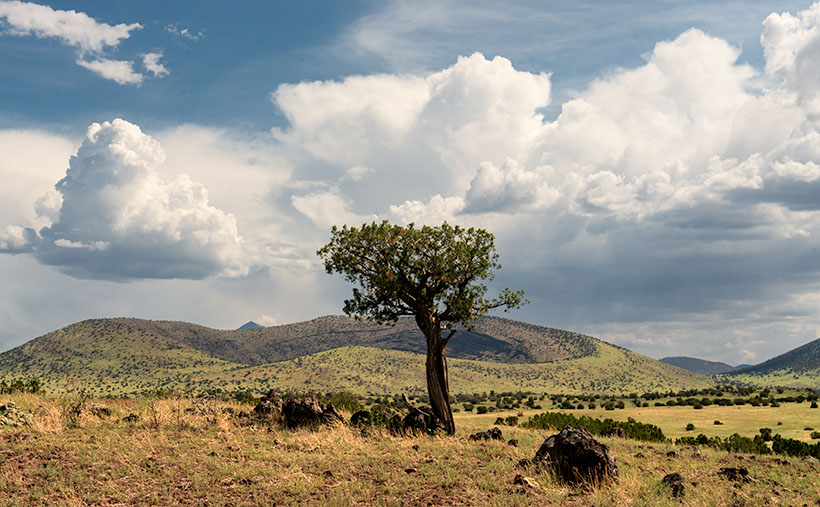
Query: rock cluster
(308,412)
(490,434)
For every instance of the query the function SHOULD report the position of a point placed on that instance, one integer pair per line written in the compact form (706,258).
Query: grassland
(362,370)
(171,456)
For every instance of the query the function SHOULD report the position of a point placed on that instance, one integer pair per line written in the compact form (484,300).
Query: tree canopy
(434,274)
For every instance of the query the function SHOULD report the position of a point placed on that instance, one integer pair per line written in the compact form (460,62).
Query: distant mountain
(125,356)
(799,367)
(744,365)
(696,365)
(249,325)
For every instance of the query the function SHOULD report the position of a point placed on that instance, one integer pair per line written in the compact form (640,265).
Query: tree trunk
(438,388)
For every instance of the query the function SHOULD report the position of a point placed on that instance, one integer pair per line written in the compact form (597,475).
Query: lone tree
(434,274)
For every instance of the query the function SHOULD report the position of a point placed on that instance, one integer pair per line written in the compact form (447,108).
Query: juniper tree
(434,274)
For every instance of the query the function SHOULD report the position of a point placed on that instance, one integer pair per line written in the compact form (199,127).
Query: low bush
(558,421)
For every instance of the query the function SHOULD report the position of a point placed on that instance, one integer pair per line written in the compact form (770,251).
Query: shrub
(766,434)
(511,420)
(697,406)
(468,407)
(481,409)
(558,421)
(808,428)
(690,427)
(499,421)
(813,404)
(815,435)
(718,423)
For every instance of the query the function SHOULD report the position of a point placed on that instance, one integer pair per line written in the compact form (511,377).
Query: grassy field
(745,420)
(173,455)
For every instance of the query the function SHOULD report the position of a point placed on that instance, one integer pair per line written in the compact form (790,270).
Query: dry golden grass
(173,456)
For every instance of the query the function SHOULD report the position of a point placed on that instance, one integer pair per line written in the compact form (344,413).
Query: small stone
(676,483)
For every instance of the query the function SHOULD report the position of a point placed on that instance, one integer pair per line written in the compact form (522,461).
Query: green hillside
(799,367)
(131,356)
(491,339)
(107,356)
(610,370)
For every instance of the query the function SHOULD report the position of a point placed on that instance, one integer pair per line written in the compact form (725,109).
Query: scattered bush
(511,420)
(558,421)
(718,423)
(813,404)
(481,409)
(468,407)
(766,434)
(735,443)
(815,435)
(690,427)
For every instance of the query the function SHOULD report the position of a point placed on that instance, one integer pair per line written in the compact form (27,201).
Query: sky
(651,172)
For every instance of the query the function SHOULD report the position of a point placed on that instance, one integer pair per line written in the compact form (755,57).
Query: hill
(249,325)
(130,356)
(799,367)
(696,365)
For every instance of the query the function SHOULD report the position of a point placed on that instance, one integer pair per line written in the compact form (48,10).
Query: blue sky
(650,171)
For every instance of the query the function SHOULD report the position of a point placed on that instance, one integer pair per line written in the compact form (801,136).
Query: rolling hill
(799,367)
(130,356)
(696,365)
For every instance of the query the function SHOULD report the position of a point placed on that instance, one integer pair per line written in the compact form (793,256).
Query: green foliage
(406,270)
(20,386)
(481,409)
(792,447)
(344,400)
(690,427)
(734,443)
(558,420)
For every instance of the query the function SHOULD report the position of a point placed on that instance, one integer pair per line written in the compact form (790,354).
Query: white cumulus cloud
(119,71)
(119,219)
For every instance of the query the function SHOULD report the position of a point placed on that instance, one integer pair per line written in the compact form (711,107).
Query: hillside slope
(492,339)
(696,365)
(799,367)
(131,356)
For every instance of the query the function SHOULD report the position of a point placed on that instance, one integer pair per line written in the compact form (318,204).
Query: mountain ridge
(129,356)
(697,365)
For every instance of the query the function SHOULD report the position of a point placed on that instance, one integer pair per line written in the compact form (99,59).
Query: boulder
(309,412)
(737,474)
(490,434)
(676,483)
(270,404)
(577,458)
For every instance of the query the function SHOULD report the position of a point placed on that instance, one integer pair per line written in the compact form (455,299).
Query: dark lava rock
(271,404)
(490,434)
(676,483)
(309,412)
(577,458)
(739,474)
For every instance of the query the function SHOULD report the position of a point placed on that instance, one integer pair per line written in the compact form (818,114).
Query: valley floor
(183,451)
